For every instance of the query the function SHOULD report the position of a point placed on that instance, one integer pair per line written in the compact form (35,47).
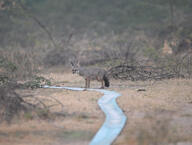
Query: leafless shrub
(13,104)
(23,62)
(92,57)
(10,103)
(58,57)
(183,66)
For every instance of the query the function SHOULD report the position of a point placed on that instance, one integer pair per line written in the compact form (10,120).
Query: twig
(38,22)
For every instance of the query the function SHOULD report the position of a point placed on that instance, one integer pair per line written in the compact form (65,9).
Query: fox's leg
(86,82)
(102,84)
(89,83)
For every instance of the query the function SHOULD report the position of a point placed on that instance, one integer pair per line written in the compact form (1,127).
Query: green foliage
(37,82)
(3,80)
(9,66)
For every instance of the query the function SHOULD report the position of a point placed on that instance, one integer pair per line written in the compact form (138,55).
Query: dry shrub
(14,105)
(25,62)
(10,102)
(58,57)
(15,65)
(180,65)
(92,57)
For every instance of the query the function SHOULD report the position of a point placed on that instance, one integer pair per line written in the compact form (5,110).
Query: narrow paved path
(115,119)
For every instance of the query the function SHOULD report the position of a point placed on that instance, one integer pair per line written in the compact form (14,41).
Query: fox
(90,74)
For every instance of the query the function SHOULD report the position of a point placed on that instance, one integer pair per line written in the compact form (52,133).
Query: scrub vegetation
(145,45)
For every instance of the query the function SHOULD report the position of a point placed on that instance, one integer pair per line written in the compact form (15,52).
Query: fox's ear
(78,63)
(72,63)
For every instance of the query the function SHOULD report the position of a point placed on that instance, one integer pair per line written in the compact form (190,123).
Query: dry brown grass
(160,115)
(80,120)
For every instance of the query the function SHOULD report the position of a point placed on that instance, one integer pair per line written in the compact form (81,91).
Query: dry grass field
(158,113)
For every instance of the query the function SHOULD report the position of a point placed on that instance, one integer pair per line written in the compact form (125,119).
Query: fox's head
(75,67)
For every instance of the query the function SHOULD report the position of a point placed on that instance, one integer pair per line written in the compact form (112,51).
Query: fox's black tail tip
(106,80)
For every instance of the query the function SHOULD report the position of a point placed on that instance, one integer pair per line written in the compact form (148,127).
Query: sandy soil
(161,113)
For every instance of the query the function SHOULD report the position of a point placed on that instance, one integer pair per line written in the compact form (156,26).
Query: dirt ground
(157,113)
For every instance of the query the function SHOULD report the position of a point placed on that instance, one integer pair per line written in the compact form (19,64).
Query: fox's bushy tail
(106,80)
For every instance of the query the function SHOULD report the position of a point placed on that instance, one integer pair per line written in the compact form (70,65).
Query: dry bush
(14,66)
(92,57)
(14,105)
(58,57)
(25,62)
(182,66)
(10,103)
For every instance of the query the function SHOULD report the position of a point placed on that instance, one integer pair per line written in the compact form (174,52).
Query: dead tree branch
(26,10)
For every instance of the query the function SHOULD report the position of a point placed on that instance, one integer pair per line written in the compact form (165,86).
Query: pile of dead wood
(143,73)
